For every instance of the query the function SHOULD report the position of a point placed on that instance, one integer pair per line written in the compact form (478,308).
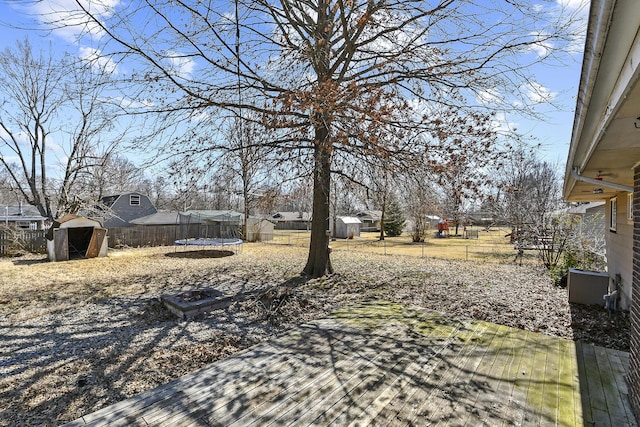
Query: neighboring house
(292,220)
(370,220)
(191,217)
(481,217)
(591,227)
(24,217)
(158,219)
(592,212)
(124,208)
(346,227)
(604,154)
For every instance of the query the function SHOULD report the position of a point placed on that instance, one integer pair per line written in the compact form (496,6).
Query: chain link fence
(474,244)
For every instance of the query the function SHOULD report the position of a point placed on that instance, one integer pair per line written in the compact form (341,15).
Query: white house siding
(620,249)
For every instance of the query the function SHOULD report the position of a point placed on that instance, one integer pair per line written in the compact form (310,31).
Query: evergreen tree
(394,221)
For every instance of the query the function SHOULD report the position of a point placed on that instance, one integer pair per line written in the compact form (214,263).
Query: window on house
(134,200)
(613,211)
(630,206)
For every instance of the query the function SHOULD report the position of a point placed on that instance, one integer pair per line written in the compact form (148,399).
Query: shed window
(613,211)
(630,206)
(134,200)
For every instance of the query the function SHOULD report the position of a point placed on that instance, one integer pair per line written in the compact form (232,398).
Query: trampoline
(209,242)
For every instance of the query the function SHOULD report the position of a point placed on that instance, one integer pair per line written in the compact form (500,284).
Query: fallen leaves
(80,335)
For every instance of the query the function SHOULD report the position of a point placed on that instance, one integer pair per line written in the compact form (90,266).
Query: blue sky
(559,80)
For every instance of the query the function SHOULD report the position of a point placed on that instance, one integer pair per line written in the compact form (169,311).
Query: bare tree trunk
(318,263)
(382,222)
(245,222)
(385,194)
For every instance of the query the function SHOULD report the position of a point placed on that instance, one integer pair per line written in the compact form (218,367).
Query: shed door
(97,237)
(61,244)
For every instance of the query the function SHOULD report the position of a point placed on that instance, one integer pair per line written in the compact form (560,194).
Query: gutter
(600,15)
(600,38)
(615,186)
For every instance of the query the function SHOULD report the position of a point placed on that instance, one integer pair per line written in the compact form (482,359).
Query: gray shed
(346,227)
(72,237)
(259,230)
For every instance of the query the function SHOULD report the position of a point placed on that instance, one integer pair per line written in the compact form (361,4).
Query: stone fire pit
(188,304)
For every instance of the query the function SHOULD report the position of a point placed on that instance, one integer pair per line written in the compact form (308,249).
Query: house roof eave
(605,130)
(597,28)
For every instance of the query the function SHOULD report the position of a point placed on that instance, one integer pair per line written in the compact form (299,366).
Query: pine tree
(394,221)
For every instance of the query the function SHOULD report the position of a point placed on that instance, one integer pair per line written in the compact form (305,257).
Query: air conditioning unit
(587,287)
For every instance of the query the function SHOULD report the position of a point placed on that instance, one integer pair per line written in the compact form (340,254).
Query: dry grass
(32,286)
(79,335)
(493,245)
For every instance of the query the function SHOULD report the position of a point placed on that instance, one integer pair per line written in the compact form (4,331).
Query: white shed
(259,230)
(72,237)
(346,227)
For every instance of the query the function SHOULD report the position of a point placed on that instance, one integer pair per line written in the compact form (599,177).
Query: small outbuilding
(73,237)
(259,230)
(347,227)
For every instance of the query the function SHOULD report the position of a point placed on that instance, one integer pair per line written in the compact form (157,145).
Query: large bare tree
(527,192)
(53,125)
(248,160)
(115,174)
(31,96)
(462,161)
(336,76)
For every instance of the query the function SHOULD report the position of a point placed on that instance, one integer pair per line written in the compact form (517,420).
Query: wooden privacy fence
(22,240)
(13,241)
(166,235)
(158,235)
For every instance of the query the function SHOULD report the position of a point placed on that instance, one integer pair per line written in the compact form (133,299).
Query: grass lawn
(491,245)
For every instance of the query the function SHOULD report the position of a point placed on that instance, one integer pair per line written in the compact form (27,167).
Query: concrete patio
(381,363)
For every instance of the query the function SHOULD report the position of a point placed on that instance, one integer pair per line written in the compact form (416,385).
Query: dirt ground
(80,335)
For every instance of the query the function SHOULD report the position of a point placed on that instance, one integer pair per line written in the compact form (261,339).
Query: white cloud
(200,117)
(488,97)
(577,11)
(98,62)
(3,134)
(131,103)
(573,4)
(21,137)
(502,125)
(180,65)
(69,20)
(538,93)
(541,45)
